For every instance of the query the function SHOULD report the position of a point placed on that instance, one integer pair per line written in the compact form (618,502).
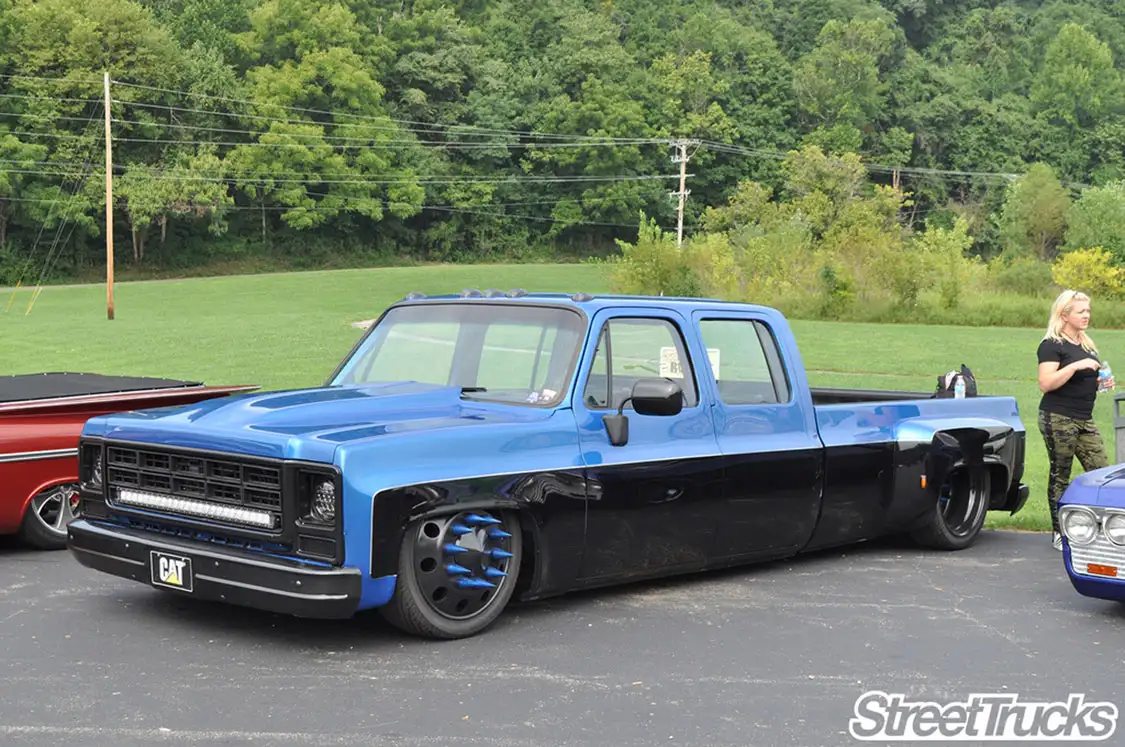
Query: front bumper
(215,574)
(1089,585)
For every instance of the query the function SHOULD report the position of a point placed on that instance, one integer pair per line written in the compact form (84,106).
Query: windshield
(500,352)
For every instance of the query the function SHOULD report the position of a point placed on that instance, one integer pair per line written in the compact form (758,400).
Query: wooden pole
(108,206)
(683,194)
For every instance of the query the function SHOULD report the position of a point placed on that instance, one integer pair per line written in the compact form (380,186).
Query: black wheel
(958,515)
(456,573)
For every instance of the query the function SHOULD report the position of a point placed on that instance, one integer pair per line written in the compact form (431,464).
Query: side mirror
(657,397)
(649,397)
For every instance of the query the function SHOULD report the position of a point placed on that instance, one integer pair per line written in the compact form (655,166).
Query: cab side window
(630,349)
(745,360)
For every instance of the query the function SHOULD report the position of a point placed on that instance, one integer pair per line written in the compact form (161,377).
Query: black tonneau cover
(30,387)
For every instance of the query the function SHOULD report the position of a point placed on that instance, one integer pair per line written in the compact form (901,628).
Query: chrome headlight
(1079,525)
(319,499)
(1114,526)
(323,507)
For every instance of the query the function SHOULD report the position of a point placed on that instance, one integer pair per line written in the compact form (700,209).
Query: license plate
(171,571)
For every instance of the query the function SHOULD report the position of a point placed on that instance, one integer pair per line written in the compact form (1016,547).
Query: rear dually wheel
(958,515)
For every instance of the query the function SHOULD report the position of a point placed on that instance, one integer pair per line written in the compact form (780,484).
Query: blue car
(1092,520)
(479,447)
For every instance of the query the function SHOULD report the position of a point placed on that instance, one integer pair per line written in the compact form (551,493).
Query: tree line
(307,132)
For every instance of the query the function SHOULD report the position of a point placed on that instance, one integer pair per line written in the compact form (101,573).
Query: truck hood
(306,423)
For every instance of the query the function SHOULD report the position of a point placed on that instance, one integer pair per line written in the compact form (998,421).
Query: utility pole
(108,206)
(682,158)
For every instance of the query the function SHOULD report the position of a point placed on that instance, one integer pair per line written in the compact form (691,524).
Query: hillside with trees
(827,138)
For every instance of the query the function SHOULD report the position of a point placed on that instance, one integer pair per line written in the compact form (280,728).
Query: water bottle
(1105,373)
(959,388)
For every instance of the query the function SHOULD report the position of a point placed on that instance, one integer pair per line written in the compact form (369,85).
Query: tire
(47,516)
(958,514)
(443,593)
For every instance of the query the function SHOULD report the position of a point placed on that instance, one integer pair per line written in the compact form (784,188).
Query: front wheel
(957,518)
(456,573)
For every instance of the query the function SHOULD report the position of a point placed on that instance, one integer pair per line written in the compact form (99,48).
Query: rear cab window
(745,361)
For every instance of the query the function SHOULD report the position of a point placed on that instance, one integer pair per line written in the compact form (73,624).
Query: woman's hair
(1063,304)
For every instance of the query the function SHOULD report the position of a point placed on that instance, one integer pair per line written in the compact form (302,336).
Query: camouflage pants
(1067,438)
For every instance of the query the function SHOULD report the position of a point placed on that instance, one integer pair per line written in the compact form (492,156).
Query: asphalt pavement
(775,654)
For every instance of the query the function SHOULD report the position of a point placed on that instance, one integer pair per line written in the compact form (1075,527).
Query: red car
(41,416)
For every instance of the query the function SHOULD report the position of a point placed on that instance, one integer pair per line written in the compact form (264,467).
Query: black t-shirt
(1076,397)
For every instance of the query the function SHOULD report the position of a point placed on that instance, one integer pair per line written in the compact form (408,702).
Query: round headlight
(1080,526)
(323,506)
(1115,528)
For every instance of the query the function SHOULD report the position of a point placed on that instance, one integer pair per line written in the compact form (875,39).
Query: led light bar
(172,504)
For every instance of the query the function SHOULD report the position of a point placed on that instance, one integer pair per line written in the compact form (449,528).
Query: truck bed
(40,386)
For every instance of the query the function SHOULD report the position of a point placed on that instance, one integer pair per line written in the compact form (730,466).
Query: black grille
(225,481)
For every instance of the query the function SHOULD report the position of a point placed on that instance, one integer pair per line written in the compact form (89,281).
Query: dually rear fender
(929,451)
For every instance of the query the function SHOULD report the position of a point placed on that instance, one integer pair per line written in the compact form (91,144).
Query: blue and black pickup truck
(481,445)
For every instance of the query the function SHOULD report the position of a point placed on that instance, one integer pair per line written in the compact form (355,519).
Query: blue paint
(1104,488)
(375,592)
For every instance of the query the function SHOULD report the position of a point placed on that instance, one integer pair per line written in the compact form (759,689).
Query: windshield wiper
(467,389)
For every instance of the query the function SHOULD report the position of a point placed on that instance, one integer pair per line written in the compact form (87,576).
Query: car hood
(306,423)
(1100,487)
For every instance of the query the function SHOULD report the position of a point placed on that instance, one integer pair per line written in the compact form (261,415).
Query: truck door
(767,433)
(651,503)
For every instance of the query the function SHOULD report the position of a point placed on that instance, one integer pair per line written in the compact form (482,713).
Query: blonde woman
(1068,378)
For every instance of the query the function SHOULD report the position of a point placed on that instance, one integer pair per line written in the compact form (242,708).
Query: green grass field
(282,331)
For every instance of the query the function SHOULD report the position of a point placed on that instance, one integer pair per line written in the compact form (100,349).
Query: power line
(43,227)
(361,117)
(434,129)
(52,99)
(533,217)
(41,117)
(584,143)
(877,167)
(386,203)
(311,179)
(367,144)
